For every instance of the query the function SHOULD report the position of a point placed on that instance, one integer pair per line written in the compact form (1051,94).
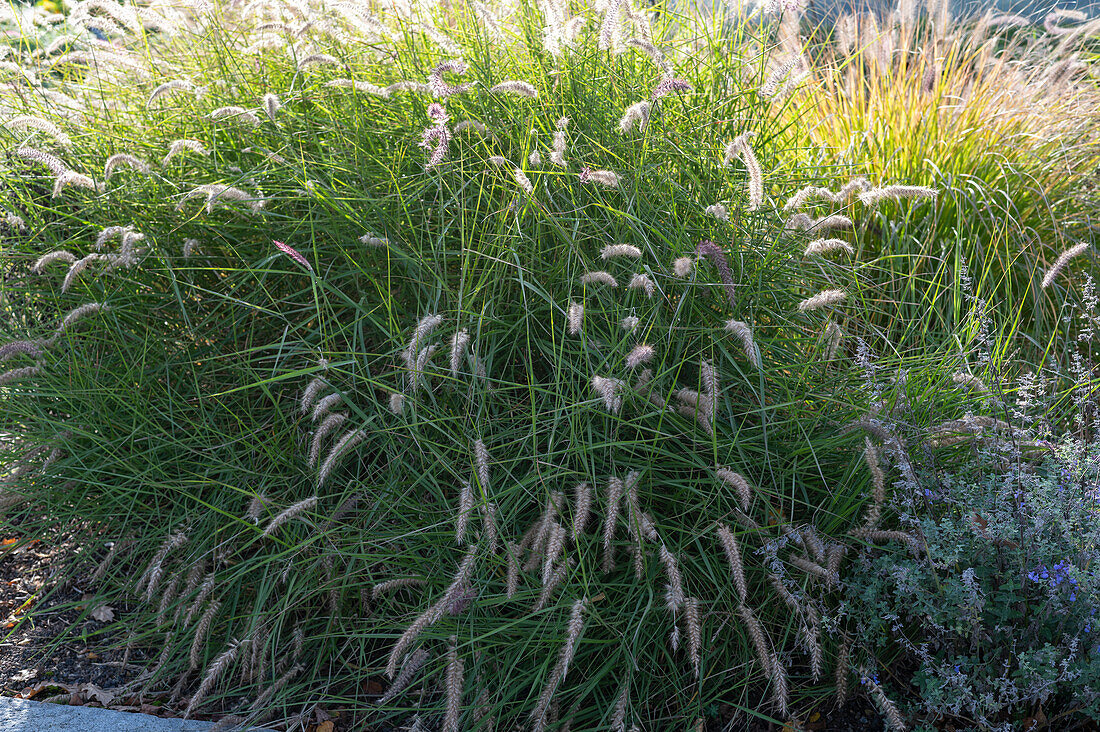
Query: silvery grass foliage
(451,395)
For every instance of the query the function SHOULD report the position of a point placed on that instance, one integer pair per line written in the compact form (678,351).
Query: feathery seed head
(639,355)
(644,283)
(1060,263)
(607,178)
(599,277)
(635,114)
(519,88)
(124,159)
(823,299)
(718,211)
(683,266)
(575,318)
(610,390)
(47,259)
(620,250)
(825,246)
(439,87)
(668,85)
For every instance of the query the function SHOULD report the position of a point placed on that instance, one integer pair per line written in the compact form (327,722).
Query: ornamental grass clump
(366,517)
(994,116)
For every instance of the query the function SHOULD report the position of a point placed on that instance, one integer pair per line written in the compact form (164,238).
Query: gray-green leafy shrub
(999,608)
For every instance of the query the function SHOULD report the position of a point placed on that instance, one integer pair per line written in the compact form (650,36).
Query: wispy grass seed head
(620,250)
(823,299)
(644,283)
(599,277)
(635,115)
(639,355)
(1060,263)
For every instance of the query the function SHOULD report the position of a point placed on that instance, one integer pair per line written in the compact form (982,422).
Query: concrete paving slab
(25,715)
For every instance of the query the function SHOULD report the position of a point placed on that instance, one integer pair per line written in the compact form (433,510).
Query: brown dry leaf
(326,726)
(103,696)
(104,613)
(30,691)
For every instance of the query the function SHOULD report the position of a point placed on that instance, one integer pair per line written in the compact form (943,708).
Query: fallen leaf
(8,542)
(104,613)
(326,726)
(103,696)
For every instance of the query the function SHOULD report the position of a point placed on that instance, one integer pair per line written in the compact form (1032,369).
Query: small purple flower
(293,254)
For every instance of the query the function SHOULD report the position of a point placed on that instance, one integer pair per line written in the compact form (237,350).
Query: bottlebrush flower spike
(170,87)
(668,85)
(608,178)
(124,159)
(177,147)
(635,114)
(712,251)
(318,58)
(718,211)
(1060,263)
(599,277)
(823,299)
(293,254)
(33,155)
(520,88)
(237,114)
(575,318)
(643,283)
(740,148)
(824,246)
(744,332)
(76,180)
(639,355)
(620,250)
(441,88)
(27,121)
(610,390)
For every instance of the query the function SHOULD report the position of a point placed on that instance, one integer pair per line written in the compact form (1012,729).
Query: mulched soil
(40,641)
